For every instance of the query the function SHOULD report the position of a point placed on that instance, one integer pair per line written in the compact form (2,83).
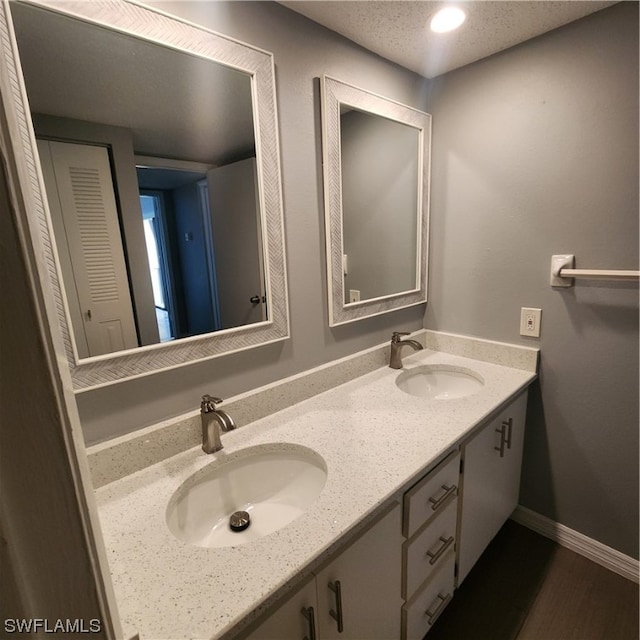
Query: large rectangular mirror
(376,176)
(150,153)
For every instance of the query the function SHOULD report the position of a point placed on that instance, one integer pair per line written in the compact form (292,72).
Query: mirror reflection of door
(203,238)
(177,249)
(85,218)
(204,246)
(133,116)
(237,240)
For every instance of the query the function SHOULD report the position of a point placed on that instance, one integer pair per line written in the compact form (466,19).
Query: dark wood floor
(526,587)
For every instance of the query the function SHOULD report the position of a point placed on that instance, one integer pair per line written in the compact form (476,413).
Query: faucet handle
(395,336)
(209,402)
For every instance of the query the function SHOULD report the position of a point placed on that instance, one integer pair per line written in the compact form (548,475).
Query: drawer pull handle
(435,555)
(308,613)
(443,602)
(436,503)
(336,587)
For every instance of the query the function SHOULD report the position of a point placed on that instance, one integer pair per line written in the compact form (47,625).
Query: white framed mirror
(376,157)
(148,159)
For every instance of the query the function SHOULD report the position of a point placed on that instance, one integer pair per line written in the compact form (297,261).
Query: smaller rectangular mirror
(376,176)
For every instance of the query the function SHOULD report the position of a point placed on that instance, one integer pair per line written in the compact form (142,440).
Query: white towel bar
(562,272)
(600,274)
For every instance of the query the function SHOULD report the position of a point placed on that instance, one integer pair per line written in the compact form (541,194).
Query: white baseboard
(603,555)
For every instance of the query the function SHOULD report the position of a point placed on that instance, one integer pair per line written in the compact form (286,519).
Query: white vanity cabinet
(395,580)
(492,460)
(357,595)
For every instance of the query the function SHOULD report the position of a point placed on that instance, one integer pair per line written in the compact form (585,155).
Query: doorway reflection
(182,267)
(151,206)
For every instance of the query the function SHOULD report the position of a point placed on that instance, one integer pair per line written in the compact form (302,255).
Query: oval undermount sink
(272,484)
(439,382)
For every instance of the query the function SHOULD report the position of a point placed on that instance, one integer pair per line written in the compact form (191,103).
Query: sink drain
(239,521)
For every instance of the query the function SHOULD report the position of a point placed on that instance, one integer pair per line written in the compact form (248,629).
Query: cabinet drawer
(421,612)
(428,549)
(431,495)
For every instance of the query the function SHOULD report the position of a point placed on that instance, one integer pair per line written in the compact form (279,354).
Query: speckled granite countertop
(374,439)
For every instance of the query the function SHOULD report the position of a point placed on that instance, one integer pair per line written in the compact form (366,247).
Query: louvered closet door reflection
(88,208)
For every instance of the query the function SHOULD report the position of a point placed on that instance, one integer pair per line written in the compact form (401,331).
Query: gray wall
(535,152)
(303,52)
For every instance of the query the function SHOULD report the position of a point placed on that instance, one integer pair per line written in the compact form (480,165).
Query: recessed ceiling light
(447,19)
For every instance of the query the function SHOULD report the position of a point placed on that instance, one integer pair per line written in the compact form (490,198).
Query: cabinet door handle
(434,556)
(436,503)
(508,425)
(308,613)
(443,602)
(505,430)
(336,587)
(503,440)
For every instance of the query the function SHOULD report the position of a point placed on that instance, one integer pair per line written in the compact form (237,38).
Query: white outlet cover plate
(530,320)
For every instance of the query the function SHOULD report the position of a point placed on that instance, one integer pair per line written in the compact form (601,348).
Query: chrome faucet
(213,419)
(395,361)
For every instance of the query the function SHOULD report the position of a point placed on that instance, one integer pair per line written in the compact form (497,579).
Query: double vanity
(359,517)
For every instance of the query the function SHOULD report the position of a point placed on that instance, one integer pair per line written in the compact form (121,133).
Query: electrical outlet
(354,295)
(530,320)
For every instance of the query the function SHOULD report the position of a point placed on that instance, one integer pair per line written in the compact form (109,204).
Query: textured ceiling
(166,98)
(398,30)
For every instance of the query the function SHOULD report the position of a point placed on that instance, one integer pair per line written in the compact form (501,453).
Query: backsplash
(508,355)
(127,454)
